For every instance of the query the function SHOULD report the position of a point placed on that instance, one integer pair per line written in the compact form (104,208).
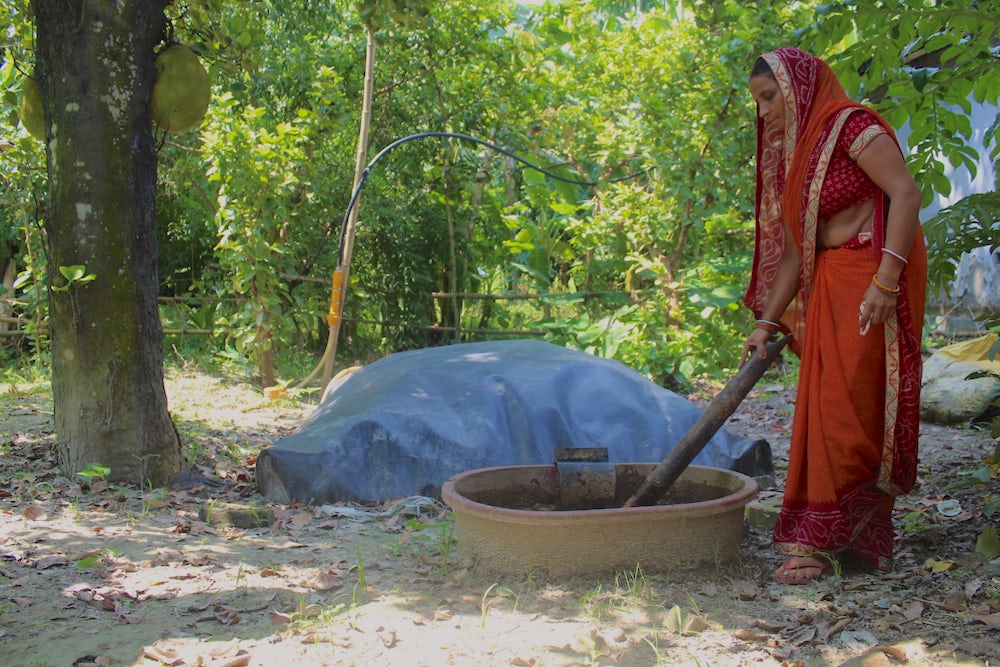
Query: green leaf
(533,177)
(74,272)
(937,566)
(988,543)
(88,563)
(94,470)
(683,623)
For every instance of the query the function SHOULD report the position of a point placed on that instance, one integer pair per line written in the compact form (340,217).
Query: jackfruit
(182,89)
(31,109)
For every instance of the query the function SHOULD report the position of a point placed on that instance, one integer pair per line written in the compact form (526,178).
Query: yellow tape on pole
(336,298)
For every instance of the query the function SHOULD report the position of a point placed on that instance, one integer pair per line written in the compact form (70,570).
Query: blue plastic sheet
(406,423)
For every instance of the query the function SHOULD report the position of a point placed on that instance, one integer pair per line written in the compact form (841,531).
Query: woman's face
(770,101)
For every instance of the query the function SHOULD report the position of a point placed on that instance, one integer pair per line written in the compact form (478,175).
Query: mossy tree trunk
(94,63)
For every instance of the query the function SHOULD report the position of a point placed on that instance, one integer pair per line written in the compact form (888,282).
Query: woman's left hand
(876,308)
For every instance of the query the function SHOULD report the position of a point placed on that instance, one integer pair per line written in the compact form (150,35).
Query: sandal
(802,570)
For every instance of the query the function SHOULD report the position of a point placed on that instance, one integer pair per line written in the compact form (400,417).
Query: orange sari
(854,434)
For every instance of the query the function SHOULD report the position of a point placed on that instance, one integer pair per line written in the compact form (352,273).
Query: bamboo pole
(341,275)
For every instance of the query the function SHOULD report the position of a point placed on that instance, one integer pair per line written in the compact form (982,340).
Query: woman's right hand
(755,343)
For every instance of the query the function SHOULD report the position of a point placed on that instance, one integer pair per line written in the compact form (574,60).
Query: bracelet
(896,255)
(883,288)
(768,324)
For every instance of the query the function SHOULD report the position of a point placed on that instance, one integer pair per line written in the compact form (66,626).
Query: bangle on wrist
(768,324)
(896,255)
(892,291)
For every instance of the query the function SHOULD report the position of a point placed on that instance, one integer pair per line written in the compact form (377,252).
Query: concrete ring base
(504,522)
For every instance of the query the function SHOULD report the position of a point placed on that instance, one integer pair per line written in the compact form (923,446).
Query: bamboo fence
(14,327)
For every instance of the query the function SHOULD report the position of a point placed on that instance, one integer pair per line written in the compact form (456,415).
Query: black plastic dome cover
(405,424)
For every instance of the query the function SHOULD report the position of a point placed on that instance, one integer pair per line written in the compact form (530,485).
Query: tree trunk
(95,67)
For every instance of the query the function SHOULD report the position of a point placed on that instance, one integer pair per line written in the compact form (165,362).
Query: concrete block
(763,512)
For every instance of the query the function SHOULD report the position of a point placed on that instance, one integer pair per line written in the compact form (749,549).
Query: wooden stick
(659,481)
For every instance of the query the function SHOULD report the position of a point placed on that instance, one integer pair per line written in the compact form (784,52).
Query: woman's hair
(760,67)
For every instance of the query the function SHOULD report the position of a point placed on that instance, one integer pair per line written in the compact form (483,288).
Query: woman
(840,263)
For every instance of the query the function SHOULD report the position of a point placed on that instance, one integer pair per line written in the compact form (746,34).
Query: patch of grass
(428,543)
(494,595)
(915,522)
(358,595)
(600,604)
(310,618)
(634,584)
(28,371)
(631,590)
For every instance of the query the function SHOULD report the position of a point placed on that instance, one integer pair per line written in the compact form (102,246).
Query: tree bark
(95,65)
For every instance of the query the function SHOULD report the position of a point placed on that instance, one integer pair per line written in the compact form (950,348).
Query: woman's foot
(802,570)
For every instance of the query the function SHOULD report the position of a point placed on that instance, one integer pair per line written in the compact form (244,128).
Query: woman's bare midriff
(844,225)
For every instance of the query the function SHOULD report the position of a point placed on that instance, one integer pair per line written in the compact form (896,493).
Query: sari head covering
(791,167)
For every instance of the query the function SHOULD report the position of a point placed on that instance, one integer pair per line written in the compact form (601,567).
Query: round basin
(505,522)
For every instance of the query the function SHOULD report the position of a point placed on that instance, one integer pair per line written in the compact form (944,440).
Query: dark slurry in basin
(537,494)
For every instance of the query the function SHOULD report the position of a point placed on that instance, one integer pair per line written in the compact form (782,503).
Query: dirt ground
(92,573)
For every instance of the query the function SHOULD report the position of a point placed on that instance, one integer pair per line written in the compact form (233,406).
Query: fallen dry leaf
(227,615)
(76,557)
(750,635)
(827,629)
(198,560)
(806,634)
(241,660)
(280,618)
(288,544)
(324,638)
(45,562)
(991,620)
(955,601)
(781,653)
(894,652)
(327,580)
(745,590)
(162,653)
(769,626)
(913,611)
(301,519)
(873,657)
(33,513)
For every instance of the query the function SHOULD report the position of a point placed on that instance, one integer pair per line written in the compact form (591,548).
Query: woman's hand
(876,308)
(755,342)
